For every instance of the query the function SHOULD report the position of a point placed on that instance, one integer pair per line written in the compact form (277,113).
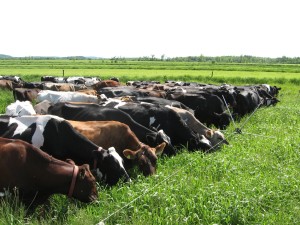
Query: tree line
(227,59)
(201,58)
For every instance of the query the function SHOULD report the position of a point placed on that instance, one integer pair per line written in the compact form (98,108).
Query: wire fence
(237,130)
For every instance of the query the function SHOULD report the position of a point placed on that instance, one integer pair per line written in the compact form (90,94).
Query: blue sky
(136,28)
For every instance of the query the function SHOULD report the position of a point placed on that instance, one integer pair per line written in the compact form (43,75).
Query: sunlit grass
(254,180)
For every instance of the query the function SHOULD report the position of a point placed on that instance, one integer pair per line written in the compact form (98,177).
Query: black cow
(57,137)
(30,85)
(53,79)
(208,108)
(248,99)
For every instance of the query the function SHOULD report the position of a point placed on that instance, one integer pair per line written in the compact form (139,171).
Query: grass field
(254,180)
(156,70)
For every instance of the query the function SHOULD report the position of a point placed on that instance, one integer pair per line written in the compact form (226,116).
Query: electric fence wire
(236,131)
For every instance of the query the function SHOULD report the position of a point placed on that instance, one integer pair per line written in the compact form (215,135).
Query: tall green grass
(254,180)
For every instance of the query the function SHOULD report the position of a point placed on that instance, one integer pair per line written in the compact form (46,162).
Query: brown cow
(122,138)
(25,94)
(37,175)
(88,92)
(8,84)
(58,87)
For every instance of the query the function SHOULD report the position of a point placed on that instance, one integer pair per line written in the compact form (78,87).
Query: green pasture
(242,77)
(155,70)
(254,180)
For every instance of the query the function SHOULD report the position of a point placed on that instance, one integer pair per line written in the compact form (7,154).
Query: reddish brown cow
(37,175)
(105,83)
(121,137)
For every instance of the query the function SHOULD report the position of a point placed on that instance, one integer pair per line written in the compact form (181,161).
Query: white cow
(65,96)
(20,109)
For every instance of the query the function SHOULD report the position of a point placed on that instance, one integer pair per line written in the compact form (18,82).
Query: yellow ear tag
(128,156)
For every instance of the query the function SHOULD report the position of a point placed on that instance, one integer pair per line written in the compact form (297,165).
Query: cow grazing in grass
(25,94)
(18,108)
(6,85)
(209,108)
(38,175)
(65,96)
(105,83)
(160,117)
(57,137)
(163,101)
(120,136)
(215,137)
(58,87)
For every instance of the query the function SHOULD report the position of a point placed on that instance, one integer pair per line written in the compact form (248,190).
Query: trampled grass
(254,180)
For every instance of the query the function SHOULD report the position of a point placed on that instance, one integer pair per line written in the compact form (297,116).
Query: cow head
(85,187)
(111,165)
(145,157)
(199,142)
(158,137)
(221,120)
(162,137)
(204,144)
(216,138)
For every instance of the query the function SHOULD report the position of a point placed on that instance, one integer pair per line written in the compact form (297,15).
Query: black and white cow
(58,138)
(268,94)
(112,92)
(163,101)
(160,117)
(216,137)
(89,112)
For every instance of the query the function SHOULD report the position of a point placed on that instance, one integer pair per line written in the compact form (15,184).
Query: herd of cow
(107,128)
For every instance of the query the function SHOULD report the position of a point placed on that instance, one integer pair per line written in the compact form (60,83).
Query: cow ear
(81,173)
(160,148)
(209,133)
(129,154)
